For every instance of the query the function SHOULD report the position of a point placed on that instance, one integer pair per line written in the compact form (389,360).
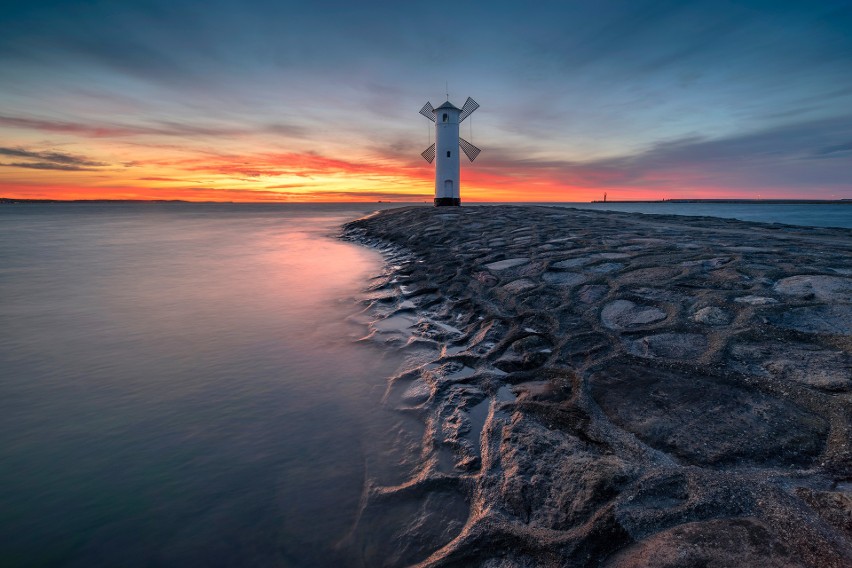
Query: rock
(417,393)
(623,314)
(535,390)
(708,263)
(520,285)
(705,420)
(711,315)
(605,267)
(649,275)
(803,363)
(486,278)
(563,481)
(524,354)
(686,445)
(720,542)
(573,262)
(592,293)
(659,295)
(835,320)
(824,288)
(508,263)
(756,300)
(833,506)
(563,278)
(669,346)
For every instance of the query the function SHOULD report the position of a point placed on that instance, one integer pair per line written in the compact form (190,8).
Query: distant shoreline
(745,201)
(11,200)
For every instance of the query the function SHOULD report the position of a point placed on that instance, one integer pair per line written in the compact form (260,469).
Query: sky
(263,100)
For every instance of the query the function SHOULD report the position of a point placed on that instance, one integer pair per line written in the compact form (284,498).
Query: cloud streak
(49,160)
(52,157)
(47,166)
(299,164)
(159,128)
(781,157)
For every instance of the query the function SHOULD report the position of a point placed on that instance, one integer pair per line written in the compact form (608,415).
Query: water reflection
(180,386)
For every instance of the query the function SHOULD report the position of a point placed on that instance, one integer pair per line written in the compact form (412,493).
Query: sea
(186,385)
(182,384)
(802,214)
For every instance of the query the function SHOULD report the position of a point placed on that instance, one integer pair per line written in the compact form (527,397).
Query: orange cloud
(202,175)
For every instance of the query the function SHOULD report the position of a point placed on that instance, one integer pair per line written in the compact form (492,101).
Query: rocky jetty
(612,389)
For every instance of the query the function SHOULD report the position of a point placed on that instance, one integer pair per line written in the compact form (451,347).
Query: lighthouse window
(448,153)
(445,117)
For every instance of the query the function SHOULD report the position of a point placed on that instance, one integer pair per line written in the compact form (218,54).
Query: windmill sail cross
(470,105)
(469,149)
(429,154)
(428,111)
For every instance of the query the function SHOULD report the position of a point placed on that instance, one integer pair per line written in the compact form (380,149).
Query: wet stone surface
(607,389)
(704,420)
(623,314)
(712,315)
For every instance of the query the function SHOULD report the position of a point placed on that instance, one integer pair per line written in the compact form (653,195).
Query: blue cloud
(580,80)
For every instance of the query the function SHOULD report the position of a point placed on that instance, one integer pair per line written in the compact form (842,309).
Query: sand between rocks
(613,389)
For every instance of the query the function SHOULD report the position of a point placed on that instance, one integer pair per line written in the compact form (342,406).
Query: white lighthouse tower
(445,151)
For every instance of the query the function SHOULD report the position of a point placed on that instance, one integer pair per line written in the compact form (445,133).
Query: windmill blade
(429,153)
(428,111)
(469,149)
(470,105)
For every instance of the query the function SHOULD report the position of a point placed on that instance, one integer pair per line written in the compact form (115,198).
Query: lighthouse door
(448,187)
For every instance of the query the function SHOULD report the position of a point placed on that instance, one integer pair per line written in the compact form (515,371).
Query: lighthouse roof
(448,105)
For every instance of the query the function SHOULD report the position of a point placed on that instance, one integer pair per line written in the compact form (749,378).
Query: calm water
(179,386)
(811,215)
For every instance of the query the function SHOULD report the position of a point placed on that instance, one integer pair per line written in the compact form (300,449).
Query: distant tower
(447,142)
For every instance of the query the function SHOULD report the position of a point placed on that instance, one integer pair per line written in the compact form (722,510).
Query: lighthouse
(445,151)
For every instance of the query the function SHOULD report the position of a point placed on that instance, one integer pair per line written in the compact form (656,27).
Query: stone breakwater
(611,389)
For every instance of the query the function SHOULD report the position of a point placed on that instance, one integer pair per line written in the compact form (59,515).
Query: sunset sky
(279,100)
